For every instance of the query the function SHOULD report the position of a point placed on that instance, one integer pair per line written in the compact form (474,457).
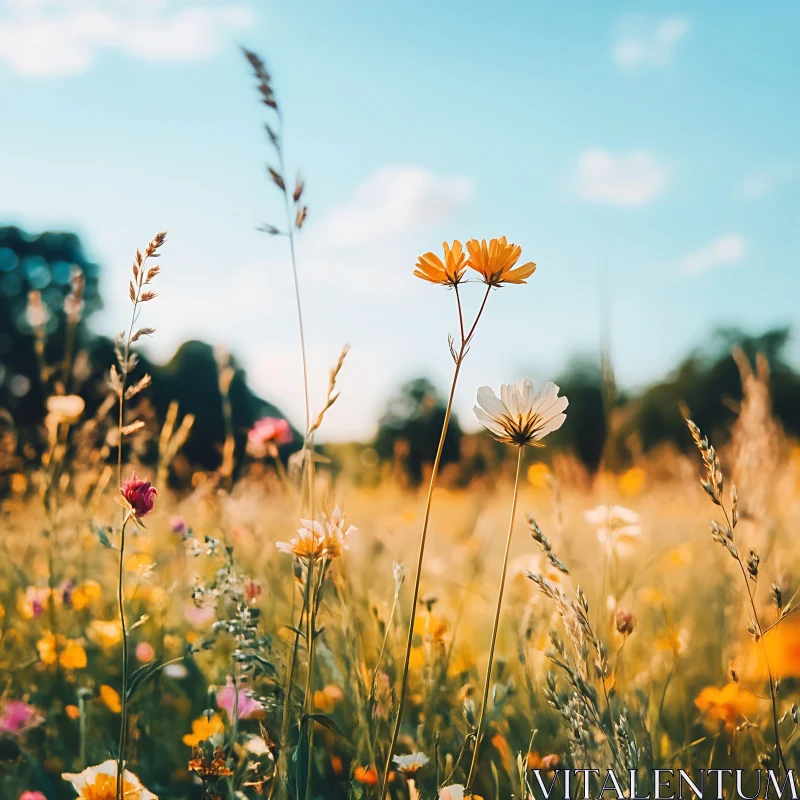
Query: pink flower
(139,495)
(17,717)
(178,525)
(247,707)
(32,796)
(35,601)
(66,589)
(145,652)
(199,616)
(252,591)
(270,429)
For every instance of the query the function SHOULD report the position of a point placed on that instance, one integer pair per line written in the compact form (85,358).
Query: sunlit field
(303,620)
(211,602)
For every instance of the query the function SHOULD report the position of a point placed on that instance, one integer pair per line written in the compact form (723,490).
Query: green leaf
(102,536)
(267,666)
(145,673)
(327,722)
(294,630)
(300,767)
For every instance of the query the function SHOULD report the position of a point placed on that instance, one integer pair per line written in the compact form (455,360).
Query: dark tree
(411,427)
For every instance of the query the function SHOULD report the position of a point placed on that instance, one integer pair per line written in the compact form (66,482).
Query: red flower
(139,495)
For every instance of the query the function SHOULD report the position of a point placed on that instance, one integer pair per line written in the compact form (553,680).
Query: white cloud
(393,201)
(644,44)
(723,251)
(45,39)
(765,182)
(628,179)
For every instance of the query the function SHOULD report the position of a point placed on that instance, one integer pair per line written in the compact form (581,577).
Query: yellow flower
(100,783)
(111,698)
(676,642)
(86,594)
(138,562)
(495,261)
(680,556)
(106,634)
(73,656)
(538,473)
(652,596)
(417,659)
(431,628)
(448,273)
(19,483)
(70,653)
(203,729)
(47,649)
(726,705)
(631,482)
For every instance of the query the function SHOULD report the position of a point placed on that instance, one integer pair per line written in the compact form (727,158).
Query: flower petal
(551,425)
(490,402)
(489,422)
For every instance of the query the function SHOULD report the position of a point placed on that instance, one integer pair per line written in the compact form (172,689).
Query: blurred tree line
(48,292)
(605,426)
(49,289)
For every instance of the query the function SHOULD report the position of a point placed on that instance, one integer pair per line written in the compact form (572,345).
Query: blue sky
(646,153)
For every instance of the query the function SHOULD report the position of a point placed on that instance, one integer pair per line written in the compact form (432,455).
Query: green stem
(308,701)
(488,680)
(123,727)
(465,340)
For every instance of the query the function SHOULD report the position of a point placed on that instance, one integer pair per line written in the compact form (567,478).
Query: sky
(645,155)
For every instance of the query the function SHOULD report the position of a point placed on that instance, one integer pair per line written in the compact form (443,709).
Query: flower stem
(488,680)
(415,598)
(773,694)
(308,701)
(465,340)
(123,726)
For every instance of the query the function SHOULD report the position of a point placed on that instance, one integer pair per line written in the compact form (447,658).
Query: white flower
(257,746)
(101,781)
(453,792)
(618,527)
(520,415)
(411,763)
(63,408)
(176,671)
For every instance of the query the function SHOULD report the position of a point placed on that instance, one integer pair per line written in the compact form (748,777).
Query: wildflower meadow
(279,626)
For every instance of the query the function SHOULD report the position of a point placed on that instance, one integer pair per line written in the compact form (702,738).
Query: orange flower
(73,712)
(448,273)
(782,649)
(495,261)
(726,705)
(111,698)
(366,775)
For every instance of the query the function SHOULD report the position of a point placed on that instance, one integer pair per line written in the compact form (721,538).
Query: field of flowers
(292,634)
